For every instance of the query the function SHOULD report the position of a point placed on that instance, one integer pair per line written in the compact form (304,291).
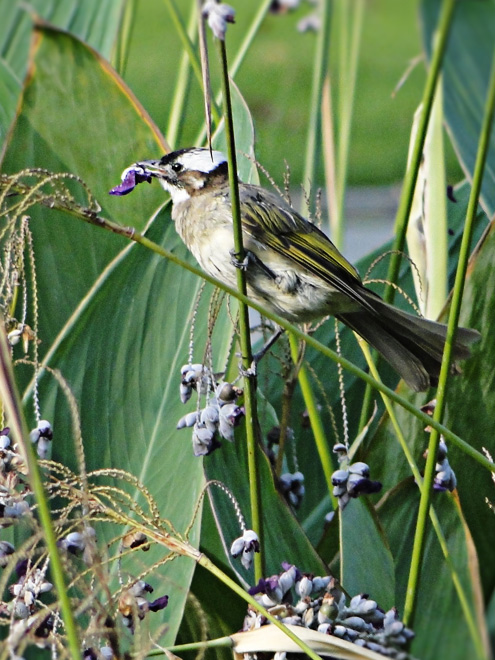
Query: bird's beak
(151,167)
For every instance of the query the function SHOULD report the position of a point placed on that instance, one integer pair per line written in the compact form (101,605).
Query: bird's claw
(239,263)
(249,372)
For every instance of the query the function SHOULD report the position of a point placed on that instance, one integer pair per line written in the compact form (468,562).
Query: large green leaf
(465,72)
(93,21)
(77,116)
(122,355)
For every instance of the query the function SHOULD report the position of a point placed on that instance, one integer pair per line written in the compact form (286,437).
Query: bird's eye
(177,167)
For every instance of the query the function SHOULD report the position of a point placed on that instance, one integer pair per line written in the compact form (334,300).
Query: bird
(291,267)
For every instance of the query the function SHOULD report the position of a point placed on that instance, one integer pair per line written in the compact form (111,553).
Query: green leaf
(94,22)
(368,562)
(465,73)
(77,116)
(121,356)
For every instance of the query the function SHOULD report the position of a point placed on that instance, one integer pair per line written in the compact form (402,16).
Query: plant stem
(419,539)
(12,408)
(206,563)
(241,53)
(121,51)
(178,546)
(461,594)
(407,194)
(244,326)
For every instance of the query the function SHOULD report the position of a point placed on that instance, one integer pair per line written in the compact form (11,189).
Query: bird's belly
(309,298)
(296,296)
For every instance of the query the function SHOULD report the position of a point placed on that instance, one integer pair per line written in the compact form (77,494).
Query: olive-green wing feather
(274,223)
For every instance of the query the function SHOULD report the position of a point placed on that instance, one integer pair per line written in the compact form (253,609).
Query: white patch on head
(202,160)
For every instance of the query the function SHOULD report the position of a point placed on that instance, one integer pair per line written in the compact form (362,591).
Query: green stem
(12,407)
(180,547)
(461,594)
(129,232)
(249,36)
(314,417)
(319,72)
(244,326)
(220,642)
(190,50)
(419,538)
(407,195)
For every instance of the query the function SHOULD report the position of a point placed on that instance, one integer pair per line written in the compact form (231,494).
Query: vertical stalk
(245,336)
(424,505)
(121,50)
(12,408)
(407,194)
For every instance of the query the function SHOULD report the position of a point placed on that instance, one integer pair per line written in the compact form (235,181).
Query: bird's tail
(412,345)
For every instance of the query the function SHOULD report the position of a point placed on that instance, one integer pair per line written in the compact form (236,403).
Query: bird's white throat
(178,194)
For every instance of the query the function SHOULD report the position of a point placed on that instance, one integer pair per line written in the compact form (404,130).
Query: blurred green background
(275,80)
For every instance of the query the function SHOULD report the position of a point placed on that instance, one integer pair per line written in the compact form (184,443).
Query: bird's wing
(274,223)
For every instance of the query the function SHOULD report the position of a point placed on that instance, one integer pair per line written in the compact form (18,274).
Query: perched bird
(291,267)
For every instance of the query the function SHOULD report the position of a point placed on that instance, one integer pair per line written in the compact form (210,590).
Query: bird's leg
(268,344)
(252,370)
(251,261)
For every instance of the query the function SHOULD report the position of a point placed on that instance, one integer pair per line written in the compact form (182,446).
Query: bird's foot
(240,263)
(249,372)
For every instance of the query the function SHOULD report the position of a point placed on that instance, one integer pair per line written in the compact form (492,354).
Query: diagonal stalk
(252,425)
(440,38)
(419,538)
(91,217)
